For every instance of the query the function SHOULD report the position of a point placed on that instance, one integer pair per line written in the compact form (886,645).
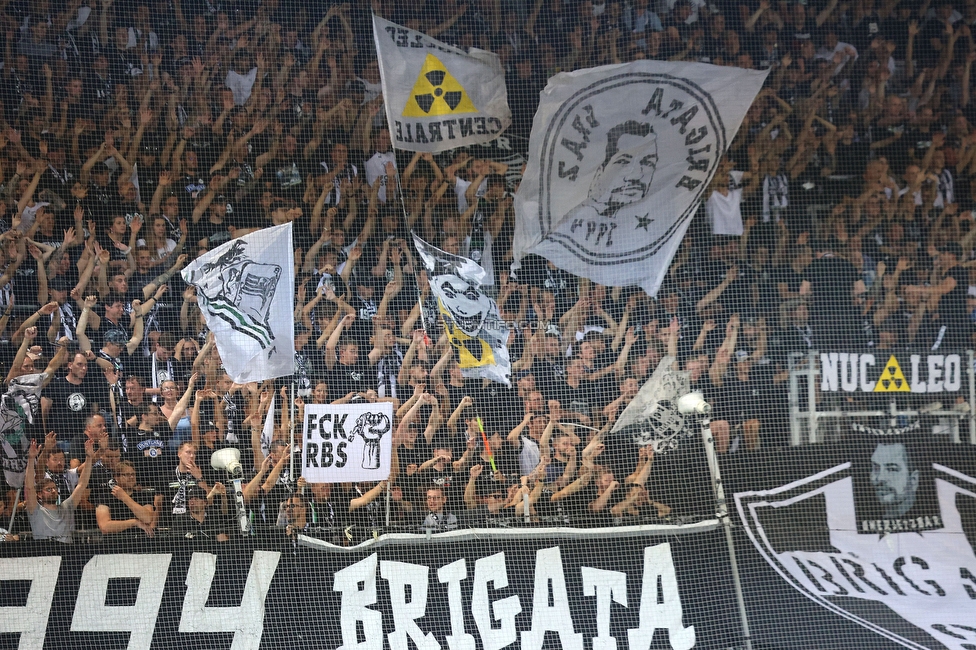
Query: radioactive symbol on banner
(892,379)
(436,92)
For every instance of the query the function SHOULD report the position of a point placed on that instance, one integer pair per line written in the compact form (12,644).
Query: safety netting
(487,323)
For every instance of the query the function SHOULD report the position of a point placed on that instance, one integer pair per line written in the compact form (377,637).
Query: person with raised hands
(51,518)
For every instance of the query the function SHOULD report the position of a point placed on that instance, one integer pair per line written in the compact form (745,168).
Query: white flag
(619,158)
(652,417)
(438,97)
(471,319)
(246,289)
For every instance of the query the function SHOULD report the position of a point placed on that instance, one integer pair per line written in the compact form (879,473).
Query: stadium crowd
(139,134)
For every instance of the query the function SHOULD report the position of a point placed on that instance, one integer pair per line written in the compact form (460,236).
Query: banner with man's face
(619,159)
(471,319)
(879,530)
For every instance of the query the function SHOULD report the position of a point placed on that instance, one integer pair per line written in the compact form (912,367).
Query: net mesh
(820,304)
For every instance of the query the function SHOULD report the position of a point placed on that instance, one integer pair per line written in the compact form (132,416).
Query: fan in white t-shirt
(724,204)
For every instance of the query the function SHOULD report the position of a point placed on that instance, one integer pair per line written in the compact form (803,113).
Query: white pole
(722,512)
(972,396)
(812,396)
(13,512)
(796,434)
(242,519)
(291,434)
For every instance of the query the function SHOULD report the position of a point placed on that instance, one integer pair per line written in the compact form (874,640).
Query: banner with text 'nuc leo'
(884,371)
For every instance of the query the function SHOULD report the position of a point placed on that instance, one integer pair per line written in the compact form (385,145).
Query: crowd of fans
(139,134)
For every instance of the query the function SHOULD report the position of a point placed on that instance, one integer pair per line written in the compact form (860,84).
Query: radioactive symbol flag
(436,92)
(438,97)
(892,379)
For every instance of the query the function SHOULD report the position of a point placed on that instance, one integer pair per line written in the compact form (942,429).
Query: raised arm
(333,342)
(163,278)
(181,405)
(30,484)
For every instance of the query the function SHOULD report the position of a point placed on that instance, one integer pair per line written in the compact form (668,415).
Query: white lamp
(693,403)
(228,460)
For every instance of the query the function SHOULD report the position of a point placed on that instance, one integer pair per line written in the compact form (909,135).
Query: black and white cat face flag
(619,159)
(471,319)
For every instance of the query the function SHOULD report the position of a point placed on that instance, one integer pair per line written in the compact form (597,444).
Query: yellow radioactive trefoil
(892,379)
(436,92)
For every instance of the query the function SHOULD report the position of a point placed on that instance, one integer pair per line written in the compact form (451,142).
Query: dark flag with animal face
(471,320)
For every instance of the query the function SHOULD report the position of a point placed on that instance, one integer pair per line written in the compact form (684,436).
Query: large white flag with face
(438,97)
(246,289)
(619,158)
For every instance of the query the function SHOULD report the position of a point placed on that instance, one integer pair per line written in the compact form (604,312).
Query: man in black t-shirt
(953,328)
(485,499)
(202,521)
(211,231)
(290,169)
(834,281)
(123,508)
(160,366)
(145,448)
(67,401)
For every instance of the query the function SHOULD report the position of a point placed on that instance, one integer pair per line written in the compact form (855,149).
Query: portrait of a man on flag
(610,187)
(625,177)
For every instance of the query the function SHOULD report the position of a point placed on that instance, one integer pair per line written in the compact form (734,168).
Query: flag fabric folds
(619,159)
(437,96)
(246,289)
(471,319)
(652,417)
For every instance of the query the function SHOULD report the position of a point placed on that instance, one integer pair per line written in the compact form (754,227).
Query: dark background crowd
(138,135)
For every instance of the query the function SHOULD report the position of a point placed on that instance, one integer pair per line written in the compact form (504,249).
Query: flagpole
(722,513)
(291,442)
(13,513)
(406,216)
(406,223)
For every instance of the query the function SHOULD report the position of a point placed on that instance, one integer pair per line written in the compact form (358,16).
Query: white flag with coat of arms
(437,96)
(245,289)
(619,159)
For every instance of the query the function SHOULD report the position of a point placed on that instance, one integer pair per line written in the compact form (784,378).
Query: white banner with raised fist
(347,443)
